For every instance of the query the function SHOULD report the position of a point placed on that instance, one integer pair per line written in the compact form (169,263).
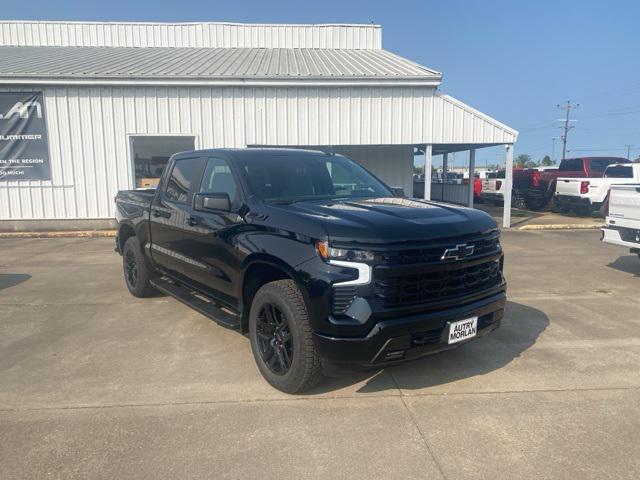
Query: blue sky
(514,60)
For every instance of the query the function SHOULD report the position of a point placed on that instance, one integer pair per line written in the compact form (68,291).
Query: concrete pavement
(97,384)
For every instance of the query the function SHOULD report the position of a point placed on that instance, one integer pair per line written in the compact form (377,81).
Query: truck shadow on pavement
(627,264)
(8,280)
(521,327)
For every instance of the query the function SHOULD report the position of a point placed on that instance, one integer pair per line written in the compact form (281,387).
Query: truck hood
(389,220)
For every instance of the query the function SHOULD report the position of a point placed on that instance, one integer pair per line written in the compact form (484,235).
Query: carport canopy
(430,150)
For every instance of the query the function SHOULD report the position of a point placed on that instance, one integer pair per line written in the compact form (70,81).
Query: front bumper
(398,340)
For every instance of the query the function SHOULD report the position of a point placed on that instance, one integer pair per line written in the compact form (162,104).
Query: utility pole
(628,151)
(567,106)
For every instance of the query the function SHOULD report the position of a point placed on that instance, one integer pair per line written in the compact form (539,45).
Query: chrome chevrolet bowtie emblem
(458,252)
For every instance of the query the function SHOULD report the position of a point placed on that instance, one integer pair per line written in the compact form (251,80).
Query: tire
(535,204)
(282,302)
(136,270)
(582,211)
(604,208)
(563,208)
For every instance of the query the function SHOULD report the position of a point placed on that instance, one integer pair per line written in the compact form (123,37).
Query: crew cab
(623,219)
(536,188)
(586,195)
(315,258)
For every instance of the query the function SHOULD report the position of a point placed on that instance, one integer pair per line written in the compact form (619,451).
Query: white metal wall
(391,163)
(209,35)
(88,131)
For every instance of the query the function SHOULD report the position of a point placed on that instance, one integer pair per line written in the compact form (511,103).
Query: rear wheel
(564,209)
(582,211)
(604,208)
(137,272)
(534,203)
(281,338)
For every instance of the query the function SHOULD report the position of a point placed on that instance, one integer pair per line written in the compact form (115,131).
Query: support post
(508,177)
(472,175)
(428,162)
(445,167)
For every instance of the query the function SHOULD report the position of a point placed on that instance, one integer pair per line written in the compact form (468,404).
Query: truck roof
(239,153)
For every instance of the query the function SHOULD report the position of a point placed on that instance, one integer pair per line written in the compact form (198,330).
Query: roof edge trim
(226,82)
(480,114)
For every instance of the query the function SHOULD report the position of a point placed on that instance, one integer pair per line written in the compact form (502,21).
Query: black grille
(342,299)
(483,245)
(394,288)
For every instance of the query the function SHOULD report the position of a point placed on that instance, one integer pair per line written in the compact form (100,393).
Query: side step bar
(198,302)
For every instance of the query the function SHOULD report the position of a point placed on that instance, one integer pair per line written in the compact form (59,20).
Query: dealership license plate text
(463,330)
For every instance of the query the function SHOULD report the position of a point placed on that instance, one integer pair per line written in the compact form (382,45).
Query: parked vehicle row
(537,188)
(576,185)
(316,259)
(584,196)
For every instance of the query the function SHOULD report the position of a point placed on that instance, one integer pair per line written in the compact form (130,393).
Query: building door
(150,154)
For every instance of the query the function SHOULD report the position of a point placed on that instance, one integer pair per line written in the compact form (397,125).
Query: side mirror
(212,202)
(398,192)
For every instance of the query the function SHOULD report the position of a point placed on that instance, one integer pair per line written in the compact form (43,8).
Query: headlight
(348,254)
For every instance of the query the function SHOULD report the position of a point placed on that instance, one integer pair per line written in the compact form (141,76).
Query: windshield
(290,178)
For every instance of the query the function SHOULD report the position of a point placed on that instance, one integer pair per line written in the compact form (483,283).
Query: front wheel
(281,338)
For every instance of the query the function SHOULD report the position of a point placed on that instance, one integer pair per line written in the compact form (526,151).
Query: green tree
(546,161)
(522,160)
(530,164)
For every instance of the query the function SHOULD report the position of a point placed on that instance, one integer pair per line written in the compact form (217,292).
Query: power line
(567,107)
(611,113)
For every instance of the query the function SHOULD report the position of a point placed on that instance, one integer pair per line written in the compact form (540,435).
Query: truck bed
(624,206)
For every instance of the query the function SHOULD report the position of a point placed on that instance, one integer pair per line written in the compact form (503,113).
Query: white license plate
(463,330)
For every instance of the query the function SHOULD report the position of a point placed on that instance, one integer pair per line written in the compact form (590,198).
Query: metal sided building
(87,109)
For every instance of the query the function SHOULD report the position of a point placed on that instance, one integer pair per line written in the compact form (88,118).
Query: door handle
(161,213)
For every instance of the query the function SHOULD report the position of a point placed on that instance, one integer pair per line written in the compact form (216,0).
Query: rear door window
(183,176)
(619,171)
(600,164)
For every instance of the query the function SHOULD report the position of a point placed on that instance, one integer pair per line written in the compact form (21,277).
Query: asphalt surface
(97,384)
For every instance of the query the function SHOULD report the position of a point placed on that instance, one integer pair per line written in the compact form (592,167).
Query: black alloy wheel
(274,339)
(136,271)
(131,269)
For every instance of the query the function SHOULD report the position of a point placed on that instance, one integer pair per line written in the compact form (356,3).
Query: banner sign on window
(24,149)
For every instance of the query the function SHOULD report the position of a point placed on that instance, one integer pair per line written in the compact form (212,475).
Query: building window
(151,154)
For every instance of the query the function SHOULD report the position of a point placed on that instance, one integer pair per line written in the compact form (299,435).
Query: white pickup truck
(623,220)
(586,195)
(493,187)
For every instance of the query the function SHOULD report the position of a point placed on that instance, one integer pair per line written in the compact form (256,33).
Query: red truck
(536,187)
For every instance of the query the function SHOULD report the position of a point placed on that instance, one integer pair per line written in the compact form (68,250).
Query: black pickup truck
(325,267)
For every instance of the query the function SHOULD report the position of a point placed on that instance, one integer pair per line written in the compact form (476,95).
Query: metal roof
(298,64)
